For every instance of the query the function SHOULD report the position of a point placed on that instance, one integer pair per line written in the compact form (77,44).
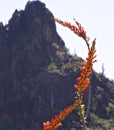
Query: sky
(96,16)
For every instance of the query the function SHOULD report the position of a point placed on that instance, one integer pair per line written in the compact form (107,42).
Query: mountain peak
(34,5)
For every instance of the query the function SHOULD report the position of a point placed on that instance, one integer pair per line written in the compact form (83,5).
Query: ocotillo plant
(82,81)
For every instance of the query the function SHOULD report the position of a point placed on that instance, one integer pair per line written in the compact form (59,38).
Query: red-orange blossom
(86,70)
(82,81)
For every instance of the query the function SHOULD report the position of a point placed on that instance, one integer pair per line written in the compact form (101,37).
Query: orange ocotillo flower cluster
(56,122)
(83,80)
(78,30)
(86,70)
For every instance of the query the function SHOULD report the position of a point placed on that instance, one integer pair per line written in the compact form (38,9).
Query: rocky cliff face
(37,73)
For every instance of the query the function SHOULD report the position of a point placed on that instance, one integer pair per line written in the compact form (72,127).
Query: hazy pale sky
(96,16)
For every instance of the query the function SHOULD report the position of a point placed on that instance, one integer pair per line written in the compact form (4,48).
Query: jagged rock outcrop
(37,73)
